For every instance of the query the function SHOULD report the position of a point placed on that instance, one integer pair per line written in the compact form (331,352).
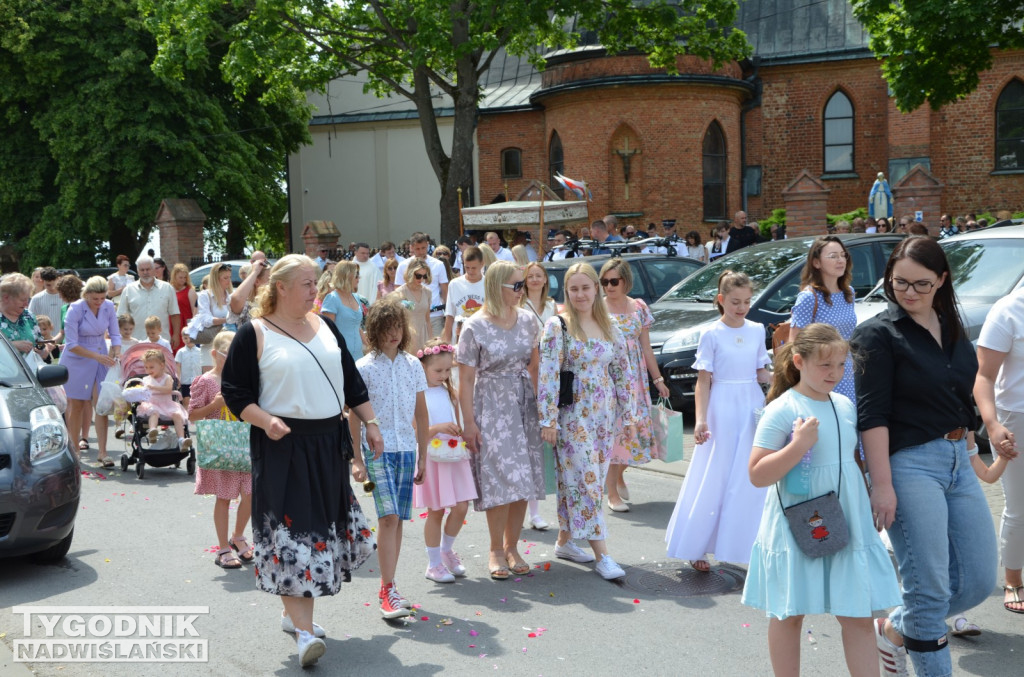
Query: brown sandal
(247,553)
(226,559)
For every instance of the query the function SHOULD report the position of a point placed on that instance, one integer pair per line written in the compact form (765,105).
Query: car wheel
(54,553)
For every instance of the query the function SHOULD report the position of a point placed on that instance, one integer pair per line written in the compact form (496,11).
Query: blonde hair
(286,268)
(545,290)
(599,310)
(222,341)
(218,293)
(392,266)
(95,285)
(154,356)
(344,278)
(44,321)
(489,256)
(812,340)
(497,275)
(520,255)
(16,285)
(323,285)
(625,272)
(153,322)
(414,265)
(181,268)
(727,281)
(447,385)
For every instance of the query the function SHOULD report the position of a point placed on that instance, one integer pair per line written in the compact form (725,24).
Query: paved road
(148,543)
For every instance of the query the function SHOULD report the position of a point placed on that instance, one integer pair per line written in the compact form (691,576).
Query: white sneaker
(571,551)
(539,523)
(288,626)
(311,648)
(894,658)
(608,569)
(453,563)
(439,574)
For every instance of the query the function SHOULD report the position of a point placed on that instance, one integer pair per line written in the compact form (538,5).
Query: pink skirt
(225,484)
(444,485)
(165,410)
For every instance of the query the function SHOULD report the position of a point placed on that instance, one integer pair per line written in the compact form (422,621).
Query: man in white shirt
(418,244)
(48,302)
(465,295)
(150,296)
(369,274)
(503,254)
(463,243)
(561,237)
(386,251)
(525,239)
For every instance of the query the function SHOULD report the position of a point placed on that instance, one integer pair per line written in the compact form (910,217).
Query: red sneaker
(391,602)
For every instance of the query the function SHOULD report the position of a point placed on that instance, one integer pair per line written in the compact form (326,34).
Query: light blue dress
(347,320)
(842,315)
(782,580)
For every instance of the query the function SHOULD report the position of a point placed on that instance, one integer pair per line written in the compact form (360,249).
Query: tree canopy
(933,50)
(92,139)
(422,49)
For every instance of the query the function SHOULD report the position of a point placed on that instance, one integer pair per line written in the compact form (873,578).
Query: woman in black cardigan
(287,373)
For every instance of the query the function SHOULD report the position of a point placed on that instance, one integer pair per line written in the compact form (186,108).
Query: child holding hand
(447,483)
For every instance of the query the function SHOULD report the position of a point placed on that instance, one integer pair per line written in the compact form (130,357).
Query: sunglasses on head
(613,281)
(420,276)
(515,286)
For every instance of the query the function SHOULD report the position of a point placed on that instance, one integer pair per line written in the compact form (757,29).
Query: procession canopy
(535,209)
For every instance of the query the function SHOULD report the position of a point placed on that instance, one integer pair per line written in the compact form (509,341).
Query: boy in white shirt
(189,359)
(153,327)
(465,294)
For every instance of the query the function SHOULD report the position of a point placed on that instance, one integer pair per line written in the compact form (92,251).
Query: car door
(663,274)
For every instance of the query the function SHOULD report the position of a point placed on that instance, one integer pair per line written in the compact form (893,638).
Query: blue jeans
(945,544)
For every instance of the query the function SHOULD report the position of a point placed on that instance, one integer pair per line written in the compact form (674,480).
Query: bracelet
(372,421)
(660,379)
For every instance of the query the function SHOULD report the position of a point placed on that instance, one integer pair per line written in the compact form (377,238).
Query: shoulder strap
(322,370)
(565,341)
(814,314)
(839,434)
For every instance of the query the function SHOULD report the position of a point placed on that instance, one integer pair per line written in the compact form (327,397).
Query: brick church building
(808,117)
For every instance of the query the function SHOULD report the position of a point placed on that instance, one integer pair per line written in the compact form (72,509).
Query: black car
(653,274)
(39,474)
(687,310)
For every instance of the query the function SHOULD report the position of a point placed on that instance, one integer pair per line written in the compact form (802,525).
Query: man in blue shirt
(599,233)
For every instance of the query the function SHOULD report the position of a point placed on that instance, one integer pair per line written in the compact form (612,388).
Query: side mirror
(52,375)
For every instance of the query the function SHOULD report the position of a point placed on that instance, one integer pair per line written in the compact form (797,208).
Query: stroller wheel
(190,466)
(140,469)
(124,462)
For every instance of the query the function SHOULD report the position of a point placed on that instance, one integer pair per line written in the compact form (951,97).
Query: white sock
(434,557)
(447,542)
(181,441)
(534,508)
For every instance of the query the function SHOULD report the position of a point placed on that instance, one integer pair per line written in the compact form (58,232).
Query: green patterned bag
(223,445)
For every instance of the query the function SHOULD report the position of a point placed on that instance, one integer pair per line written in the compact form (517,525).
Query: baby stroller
(165,451)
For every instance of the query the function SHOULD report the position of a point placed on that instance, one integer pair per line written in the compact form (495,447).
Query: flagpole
(540,228)
(462,226)
(586,200)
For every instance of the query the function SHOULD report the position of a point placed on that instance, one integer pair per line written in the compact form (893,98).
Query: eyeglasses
(836,257)
(921,286)
(613,281)
(515,286)
(420,276)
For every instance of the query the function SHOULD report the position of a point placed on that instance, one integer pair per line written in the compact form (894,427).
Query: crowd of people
(451,377)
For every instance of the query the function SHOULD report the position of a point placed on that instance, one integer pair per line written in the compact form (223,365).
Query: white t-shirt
(438,276)
(504,254)
(1003,331)
(464,298)
(369,276)
(189,364)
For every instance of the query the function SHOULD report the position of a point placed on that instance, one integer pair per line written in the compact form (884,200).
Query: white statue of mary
(880,198)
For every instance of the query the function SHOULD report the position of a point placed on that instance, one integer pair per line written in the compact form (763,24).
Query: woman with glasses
(347,309)
(416,296)
(592,347)
(634,319)
(915,413)
(827,296)
(497,357)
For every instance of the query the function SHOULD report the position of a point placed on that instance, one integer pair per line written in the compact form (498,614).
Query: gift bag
(223,444)
(550,479)
(667,429)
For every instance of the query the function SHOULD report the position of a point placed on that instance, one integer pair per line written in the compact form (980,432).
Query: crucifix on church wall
(627,158)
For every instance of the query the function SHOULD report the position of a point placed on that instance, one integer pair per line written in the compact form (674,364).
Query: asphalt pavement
(151,542)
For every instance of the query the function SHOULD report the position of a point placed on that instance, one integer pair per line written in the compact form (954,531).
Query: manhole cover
(679,580)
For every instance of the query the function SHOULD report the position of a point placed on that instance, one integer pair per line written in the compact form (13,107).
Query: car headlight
(49,435)
(685,339)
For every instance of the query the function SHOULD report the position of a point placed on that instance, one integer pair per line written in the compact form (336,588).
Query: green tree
(422,49)
(92,139)
(933,50)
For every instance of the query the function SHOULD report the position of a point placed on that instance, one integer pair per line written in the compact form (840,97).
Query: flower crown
(435,350)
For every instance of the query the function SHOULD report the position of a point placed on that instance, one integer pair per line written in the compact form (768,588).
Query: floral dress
(510,464)
(24,329)
(636,450)
(602,396)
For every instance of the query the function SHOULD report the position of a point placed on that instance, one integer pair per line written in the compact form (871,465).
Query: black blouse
(240,380)
(909,384)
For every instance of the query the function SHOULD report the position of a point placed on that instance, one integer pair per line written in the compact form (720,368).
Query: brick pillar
(919,191)
(319,234)
(806,200)
(181,230)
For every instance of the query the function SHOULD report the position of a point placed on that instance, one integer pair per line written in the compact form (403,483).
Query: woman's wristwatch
(372,421)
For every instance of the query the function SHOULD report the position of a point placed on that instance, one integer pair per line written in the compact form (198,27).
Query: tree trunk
(234,239)
(124,240)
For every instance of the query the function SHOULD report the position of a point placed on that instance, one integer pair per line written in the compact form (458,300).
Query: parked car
(653,274)
(39,474)
(687,310)
(202,271)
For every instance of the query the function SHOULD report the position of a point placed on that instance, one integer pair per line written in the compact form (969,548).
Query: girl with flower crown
(447,477)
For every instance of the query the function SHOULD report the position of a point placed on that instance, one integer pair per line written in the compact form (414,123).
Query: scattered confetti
(532,634)
(366,604)
(446,621)
(547,566)
(479,613)
(504,599)
(473,633)
(517,580)
(472,646)
(107,559)
(424,618)
(417,606)
(551,594)
(746,625)
(636,601)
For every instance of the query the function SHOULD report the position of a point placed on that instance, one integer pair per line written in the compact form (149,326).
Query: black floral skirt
(308,528)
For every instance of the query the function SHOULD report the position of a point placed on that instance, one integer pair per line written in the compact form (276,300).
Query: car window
(783,298)
(639,289)
(762,263)
(985,270)
(555,282)
(667,273)
(10,365)
(865,269)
